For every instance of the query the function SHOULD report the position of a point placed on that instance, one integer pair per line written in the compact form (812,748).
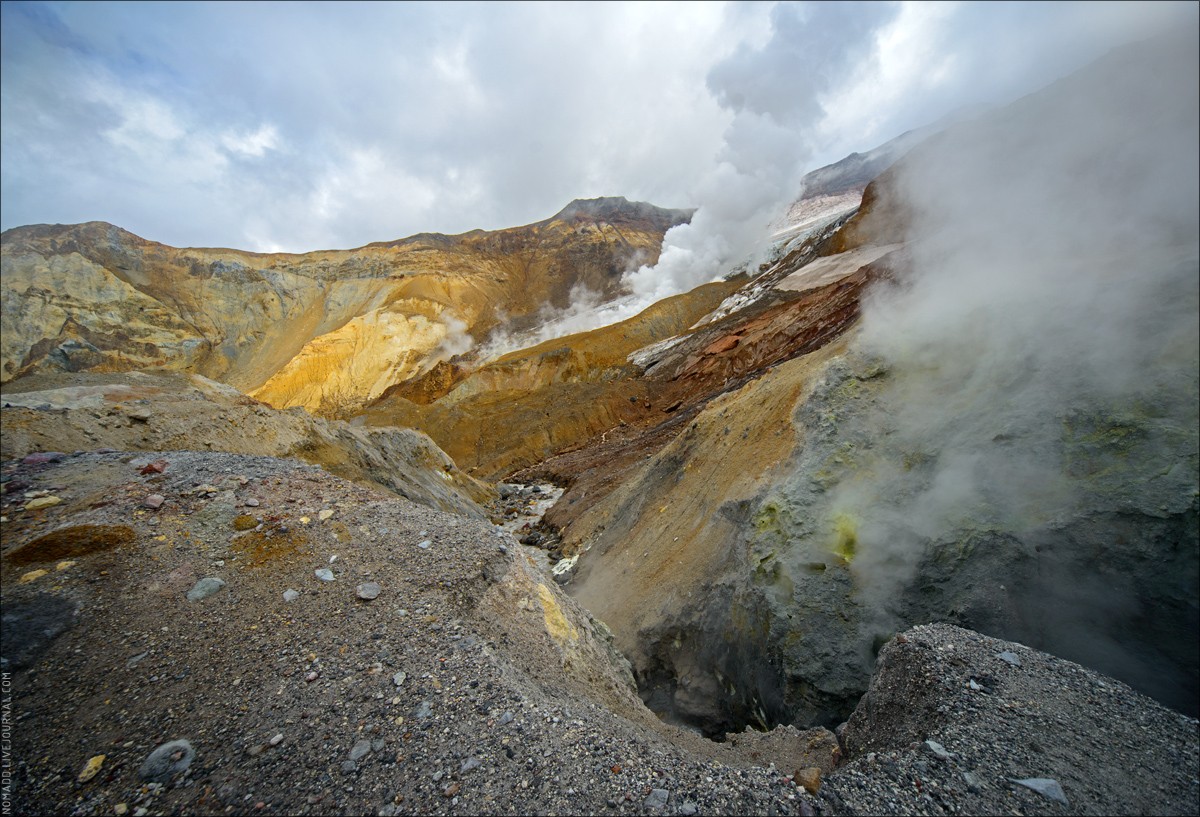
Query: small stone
(324,514)
(304,520)
(973,782)
(251,503)
(154,501)
(312,676)
(42,502)
(67,565)
(167,761)
(937,750)
(349,767)
(255,750)
(974,686)
(245,522)
(42,457)
(204,588)
(1010,658)
(360,750)
(452,789)
(141,811)
(809,778)
(278,739)
(32,576)
(506,718)
(689,808)
(91,768)
(140,415)
(290,595)
(324,574)
(399,678)
(424,711)
(120,809)
(156,467)
(424,544)
(657,798)
(470,765)
(1045,786)
(367,591)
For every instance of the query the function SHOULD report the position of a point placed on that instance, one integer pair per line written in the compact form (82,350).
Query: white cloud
(248,124)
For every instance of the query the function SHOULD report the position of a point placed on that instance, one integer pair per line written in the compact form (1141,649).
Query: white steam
(1054,276)
(776,94)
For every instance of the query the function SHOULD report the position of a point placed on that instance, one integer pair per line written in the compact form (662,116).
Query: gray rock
(424,711)
(657,798)
(204,588)
(937,750)
(167,761)
(688,808)
(324,574)
(973,781)
(278,739)
(506,718)
(399,677)
(360,750)
(251,502)
(470,765)
(154,501)
(290,595)
(424,544)
(1045,786)
(1009,658)
(368,591)
(349,767)
(389,810)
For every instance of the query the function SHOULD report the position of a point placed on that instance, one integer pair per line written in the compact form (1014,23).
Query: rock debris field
(204,633)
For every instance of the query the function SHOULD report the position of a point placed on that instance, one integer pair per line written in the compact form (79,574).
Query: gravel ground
(996,713)
(441,671)
(511,701)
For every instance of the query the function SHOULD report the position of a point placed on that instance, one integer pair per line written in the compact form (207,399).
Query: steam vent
(877,495)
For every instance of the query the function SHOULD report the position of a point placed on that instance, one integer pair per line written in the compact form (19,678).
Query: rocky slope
(235,634)
(136,411)
(325,330)
(1008,441)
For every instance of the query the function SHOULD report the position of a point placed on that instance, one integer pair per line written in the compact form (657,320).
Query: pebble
(251,503)
(42,502)
(689,808)
(1045,786)
(324,574)
(368,591)
(349,767)
(1009,658)
(424,711)
(325,514)
(937,750)
(67,565)
(399,677)
(121,809)
(167,760)
(92,768)
(290,595)
(156,467)
(809,778)
(140,415)
(470,765)
(42,457)
(278,739)
(32,576)
(360,750)
(312,676)
(154,501)
(657,798)
(204,588)
(424,544)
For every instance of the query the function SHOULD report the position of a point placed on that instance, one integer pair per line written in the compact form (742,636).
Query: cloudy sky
(302,126)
